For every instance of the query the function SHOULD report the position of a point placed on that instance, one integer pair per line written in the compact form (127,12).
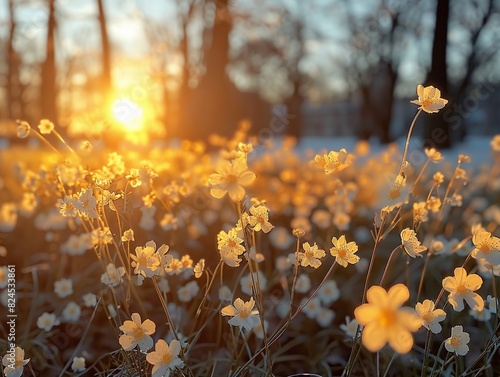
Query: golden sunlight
(128,113)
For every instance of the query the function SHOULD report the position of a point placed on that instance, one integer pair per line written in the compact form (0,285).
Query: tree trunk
(48,93)
(437,130)
(294,112)
(211,106)
(106,80)
(12,85)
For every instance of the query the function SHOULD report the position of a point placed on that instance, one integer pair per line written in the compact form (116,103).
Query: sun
(128,113)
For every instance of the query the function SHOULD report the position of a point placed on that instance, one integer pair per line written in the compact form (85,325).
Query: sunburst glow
(128,113)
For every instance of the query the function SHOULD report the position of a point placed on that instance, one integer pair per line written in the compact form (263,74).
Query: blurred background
(192,68)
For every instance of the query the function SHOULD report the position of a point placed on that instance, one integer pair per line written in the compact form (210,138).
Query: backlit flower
(344,252)
(148,261)
(242,313)
(461,287)
(458,342)
(486,246)
(14,363)
(386,321)
(86,203)
(199,268)
(259,219)
(411,244)
(311,255)
(165,357)
(113,276)
(433,155)
(137,333)
(231,177)
(134,178)
(128,235)
(46,126)
(430,316)
(429,99)
(333,161)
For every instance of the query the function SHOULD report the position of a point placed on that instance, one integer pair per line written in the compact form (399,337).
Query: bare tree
(48,93)
(106,79)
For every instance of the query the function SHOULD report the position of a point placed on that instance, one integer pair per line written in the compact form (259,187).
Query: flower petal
(374,337)
(377,295)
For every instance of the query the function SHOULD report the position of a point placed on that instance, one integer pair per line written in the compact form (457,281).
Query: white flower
(46,321)
(71,312)
(312,308)
(247,281)
(350,327)
(63,288)
(78,364)
(430,316)
(303,284)
(188,292)
(329,292)
(458,341)
(324,317)
(243,313)
(89,300)
(113,276)
(225,293)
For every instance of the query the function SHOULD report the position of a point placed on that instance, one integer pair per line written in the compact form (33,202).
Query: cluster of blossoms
(253,231)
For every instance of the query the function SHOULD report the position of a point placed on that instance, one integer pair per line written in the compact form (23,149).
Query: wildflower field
(247,257)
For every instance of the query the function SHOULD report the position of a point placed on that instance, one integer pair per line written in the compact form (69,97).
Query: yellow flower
(386,321)
(230,178)
(137,333)
(461,287)
(495,143)
(411,244)
(259,219)
(333,161)
(433,155)
(344,252)
(486,246)
(134,178)
(310,256)
(429,99)
(46,126)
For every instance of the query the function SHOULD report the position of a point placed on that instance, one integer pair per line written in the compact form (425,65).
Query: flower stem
(405,153)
